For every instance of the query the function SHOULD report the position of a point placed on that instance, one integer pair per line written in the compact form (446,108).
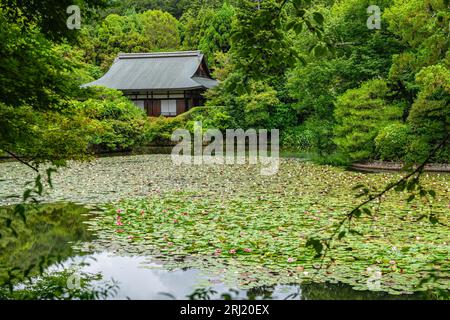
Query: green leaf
(291,24)
(49,172)
(357,213)
(26,194)
(301,13)
(352,231)
(400,187)
(318,17)
(38,184)
(20,210)
(298,28)
(316,245)
(320,51)
(433,219)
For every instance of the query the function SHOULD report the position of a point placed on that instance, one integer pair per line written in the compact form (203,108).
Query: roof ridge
(159,54)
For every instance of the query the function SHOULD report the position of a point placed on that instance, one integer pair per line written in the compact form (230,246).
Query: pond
(55,230)
(144,229)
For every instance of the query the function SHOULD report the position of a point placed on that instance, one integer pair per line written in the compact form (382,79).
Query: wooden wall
(153,107)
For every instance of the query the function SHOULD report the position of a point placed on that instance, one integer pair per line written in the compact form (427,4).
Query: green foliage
(260,48)
(44,239)
(430,114)
(53,286)
(113,121)
(39,79)
(208,30)
(216,37)
(283,115)
(423,28)
(153,30)
(314,135)
(360,54)
(212,117)
(42,136)
(257,104)
(393,141)
(33,70)
(360,114)
(160,129)
(175,7)
(48,15)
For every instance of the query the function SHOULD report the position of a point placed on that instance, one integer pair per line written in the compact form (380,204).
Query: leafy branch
(29,193)
(29,165)
(410,182)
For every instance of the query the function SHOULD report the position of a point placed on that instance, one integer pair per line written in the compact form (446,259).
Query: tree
(430,114)
(260,48)
(422,27)
(360,114)
(112,121)
(153,30)
(208,30)
(360,54)
(175,7)
(48,15)
(37,85)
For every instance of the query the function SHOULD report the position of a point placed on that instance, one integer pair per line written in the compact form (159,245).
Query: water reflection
(40,263)
(46,237)
(138,278)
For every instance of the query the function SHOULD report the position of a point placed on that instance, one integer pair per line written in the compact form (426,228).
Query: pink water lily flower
(290,260)
(217,252)
(232,251)
(119,223)
(130,237)
(247,250)
(119,210)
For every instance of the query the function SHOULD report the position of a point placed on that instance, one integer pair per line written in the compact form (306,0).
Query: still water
(41,262)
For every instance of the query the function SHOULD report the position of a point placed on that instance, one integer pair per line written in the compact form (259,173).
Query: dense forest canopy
(335,88)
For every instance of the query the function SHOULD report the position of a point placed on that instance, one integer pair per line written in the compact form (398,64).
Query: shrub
(283,116)
(393,141)
(360,114)
(160,129)
(211,117)
(296,138)
(257,104)
(314,135)
(115,123)
(430,114)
